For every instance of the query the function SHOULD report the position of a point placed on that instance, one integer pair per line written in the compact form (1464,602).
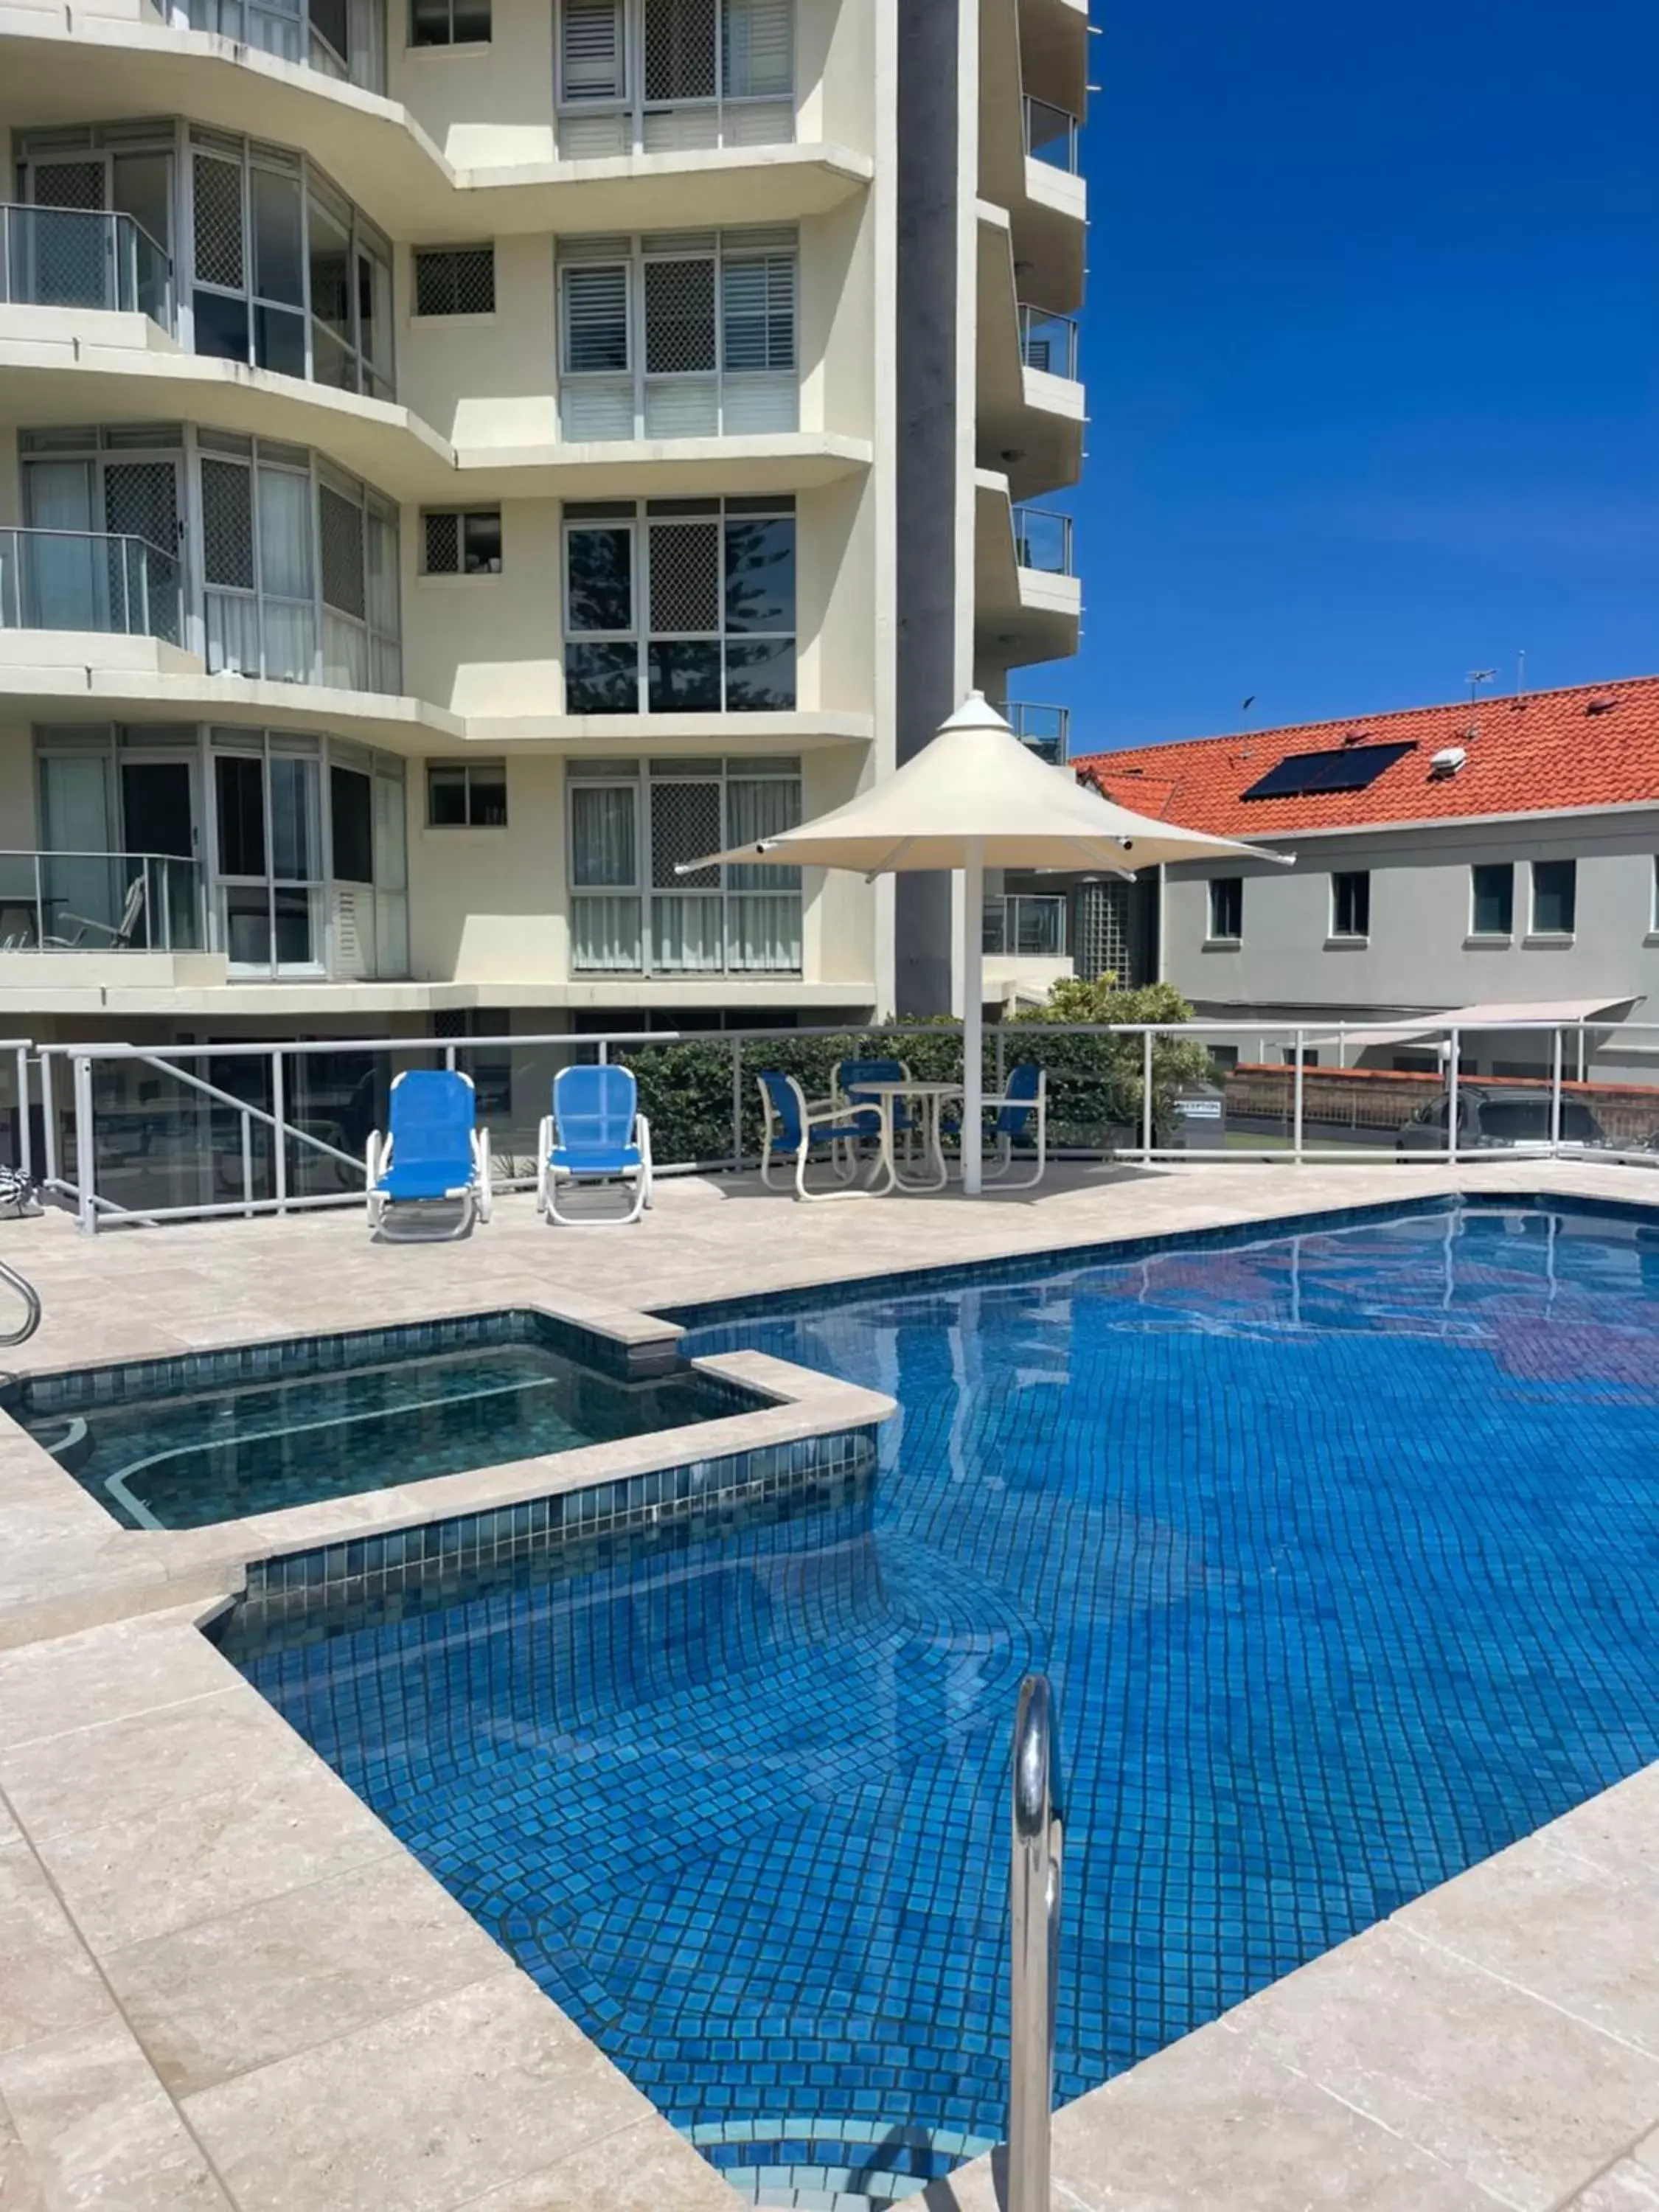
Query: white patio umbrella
(975,797)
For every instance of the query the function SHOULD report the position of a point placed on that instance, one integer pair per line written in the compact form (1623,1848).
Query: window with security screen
(678,335)
(658,76)
(454,280)
(639,904)
(679,606)
(461,542)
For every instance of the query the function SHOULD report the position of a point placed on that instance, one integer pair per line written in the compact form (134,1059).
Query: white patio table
(933,1099)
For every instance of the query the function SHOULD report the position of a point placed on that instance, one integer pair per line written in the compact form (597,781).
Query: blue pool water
(1341,1551)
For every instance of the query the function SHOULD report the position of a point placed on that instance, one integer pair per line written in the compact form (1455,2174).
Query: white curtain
(603,848)
(604,933)
(284,534)
(759,42)
(65,580)
(757,807)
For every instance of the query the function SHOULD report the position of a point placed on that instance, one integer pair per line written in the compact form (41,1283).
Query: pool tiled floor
(224,1984)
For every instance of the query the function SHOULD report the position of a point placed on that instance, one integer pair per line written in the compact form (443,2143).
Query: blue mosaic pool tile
(1338,1547)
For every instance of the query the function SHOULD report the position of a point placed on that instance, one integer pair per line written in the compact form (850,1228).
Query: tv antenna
(1477,677)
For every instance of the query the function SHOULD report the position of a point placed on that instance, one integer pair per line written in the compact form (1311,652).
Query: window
(1351,903)
(284,273)
(449,22)
(338,38)
(1555,897)
(680,606)
(1287,1055)
(454,280)
(680,335)
(1492,901)
(665,75)
(457,543)
(1226,908)
(632,823)
(466,794)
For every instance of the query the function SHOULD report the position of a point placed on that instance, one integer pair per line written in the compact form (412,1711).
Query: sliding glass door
(268,815)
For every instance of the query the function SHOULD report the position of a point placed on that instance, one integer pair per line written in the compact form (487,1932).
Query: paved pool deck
(223,1983)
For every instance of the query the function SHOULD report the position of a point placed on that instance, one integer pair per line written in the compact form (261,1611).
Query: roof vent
(1600,706)
(1354,738)
(1446,761)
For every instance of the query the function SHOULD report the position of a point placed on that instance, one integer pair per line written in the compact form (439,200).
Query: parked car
(1492,1118)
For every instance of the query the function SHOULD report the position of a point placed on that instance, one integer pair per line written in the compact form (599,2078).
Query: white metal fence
(143,1134)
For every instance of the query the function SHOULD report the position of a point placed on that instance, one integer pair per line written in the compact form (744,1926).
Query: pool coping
(1240,2114)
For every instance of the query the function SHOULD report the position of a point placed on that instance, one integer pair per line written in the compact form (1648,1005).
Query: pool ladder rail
(31,1298)
(1039,1834)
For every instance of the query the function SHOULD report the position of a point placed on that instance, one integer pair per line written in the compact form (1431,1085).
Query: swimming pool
(1340,1549)
(177,1444)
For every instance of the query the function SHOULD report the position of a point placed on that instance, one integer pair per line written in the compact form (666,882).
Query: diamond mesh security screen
(140,500)
(227,525)
(679,317)
(341,529)
(68,185)
(685,577)
(218,222)
(443,544)
(459,281)
(681,44)
(685,824)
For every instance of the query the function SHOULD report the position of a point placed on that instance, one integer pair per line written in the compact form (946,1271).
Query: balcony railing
(686,933)
(84,901)
(81,257)
(1048,342)
(1043,539)
(79,580)
(1025,926)
(351,48)
(1051,136)
(1046,730)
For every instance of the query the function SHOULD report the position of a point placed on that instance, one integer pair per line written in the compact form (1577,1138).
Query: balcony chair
(1023,1102)
(120,934)
(795,1125)
(434,1154)
(595,1134)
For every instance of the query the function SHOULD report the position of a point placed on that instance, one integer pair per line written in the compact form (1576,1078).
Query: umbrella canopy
(972,799)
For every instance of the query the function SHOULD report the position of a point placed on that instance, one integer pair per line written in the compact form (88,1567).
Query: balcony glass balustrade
(1025,926)
(1051,136)
(72,579)
(78,257)
(1048,342)
(1046,730)
(70,901)
(1043,540)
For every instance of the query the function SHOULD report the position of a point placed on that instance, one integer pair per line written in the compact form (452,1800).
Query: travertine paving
(223,1983)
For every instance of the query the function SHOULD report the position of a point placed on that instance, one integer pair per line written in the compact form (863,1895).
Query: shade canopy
(977,792)
(976,798)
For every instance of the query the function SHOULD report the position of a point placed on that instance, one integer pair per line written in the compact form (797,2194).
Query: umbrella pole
(973,1017)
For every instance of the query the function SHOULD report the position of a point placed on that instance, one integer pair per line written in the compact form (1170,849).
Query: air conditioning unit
(1447,760)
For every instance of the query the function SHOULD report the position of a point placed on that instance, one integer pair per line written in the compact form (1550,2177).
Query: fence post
(248,1165)
(1002,1062)
(1555,1099)
(737,1105)
(1451,1100)
(1147,1096)
(85,1168)
(49,1120)
(449,1058)
(39,908)
(279,1133)
(25,1138)
(1296,1106)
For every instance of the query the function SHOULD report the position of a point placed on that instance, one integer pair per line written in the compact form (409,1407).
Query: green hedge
(1095,1082)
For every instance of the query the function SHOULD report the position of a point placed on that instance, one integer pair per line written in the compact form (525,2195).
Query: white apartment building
(460,457)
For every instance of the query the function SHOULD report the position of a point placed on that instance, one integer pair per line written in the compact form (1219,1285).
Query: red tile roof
(1595,745)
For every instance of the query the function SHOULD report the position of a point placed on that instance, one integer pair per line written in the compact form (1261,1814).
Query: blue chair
(794,1127)
(595,1134)
(433,1154)
(1022,1117)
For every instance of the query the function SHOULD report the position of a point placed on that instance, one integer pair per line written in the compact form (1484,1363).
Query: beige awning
(1498,1014)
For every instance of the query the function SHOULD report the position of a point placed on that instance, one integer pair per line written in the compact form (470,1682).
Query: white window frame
(774,248)
(636,518)
(634,115)
(1491,936)
(1336,931)
(1212,936)
(651,782)
(1534,927)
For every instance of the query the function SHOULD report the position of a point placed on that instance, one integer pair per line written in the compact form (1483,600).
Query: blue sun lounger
(595,1134)
(434,1154)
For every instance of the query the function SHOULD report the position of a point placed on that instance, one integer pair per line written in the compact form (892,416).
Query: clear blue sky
(1372,351)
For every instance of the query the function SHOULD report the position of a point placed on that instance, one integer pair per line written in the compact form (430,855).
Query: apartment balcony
(1027,601)
(76,257)
(1031,409)
(74,923)
(697,935)
(1024,945)
(1045,731)
(80,581)
(1031,96)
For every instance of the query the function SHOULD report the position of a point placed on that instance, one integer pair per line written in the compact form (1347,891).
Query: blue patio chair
(795,1126)
(595,1134)
(434,1152)
(1022,1112)
(849,1074)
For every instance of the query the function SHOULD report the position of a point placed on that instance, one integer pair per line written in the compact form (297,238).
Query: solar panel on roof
(1353,767)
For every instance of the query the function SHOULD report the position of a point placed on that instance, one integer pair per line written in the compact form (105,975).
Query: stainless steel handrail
(1035,1897)
(31,1298)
